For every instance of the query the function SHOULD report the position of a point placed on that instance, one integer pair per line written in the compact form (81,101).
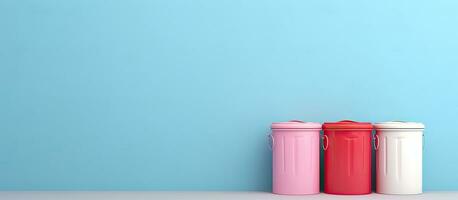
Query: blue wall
(178,95)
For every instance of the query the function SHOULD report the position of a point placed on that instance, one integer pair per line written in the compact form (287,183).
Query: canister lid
(398,125)
(296,124)
(347,124)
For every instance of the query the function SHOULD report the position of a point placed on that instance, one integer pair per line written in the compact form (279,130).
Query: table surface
(112,195)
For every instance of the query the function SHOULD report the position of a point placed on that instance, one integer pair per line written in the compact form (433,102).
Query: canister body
(399,161)
(296,161)
(347,161)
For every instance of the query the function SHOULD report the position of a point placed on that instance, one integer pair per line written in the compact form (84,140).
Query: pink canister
(296,157)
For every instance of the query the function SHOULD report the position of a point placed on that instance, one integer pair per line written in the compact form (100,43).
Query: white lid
(399,125)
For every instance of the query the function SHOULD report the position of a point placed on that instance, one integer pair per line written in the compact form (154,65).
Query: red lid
(347,124)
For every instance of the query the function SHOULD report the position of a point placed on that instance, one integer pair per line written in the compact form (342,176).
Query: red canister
(347,157)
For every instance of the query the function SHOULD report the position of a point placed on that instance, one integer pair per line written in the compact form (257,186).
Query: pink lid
(296,124)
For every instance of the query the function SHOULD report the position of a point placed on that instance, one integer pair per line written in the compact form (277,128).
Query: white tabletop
(109,195)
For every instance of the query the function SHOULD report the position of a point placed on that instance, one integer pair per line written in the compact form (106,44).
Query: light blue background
(179,95)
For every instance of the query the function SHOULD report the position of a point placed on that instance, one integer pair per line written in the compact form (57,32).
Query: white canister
(399,149)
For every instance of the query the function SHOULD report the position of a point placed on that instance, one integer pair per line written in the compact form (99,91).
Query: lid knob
(347,121)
